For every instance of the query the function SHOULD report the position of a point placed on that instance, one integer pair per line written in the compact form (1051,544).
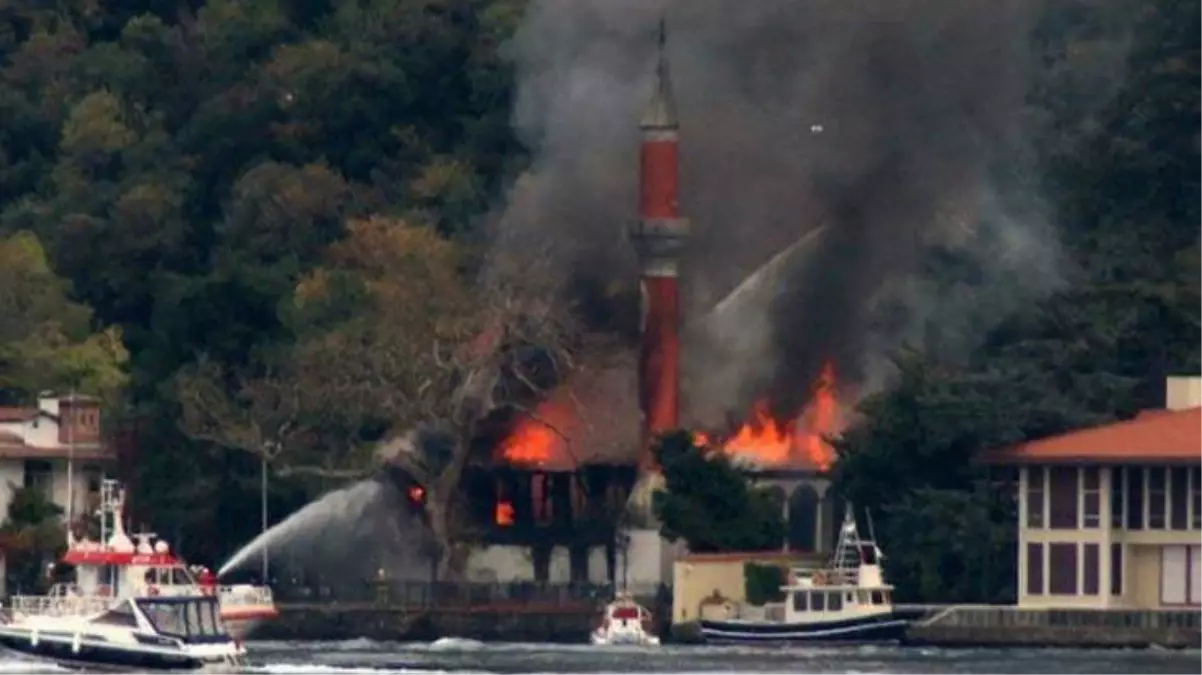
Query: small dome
(161,547)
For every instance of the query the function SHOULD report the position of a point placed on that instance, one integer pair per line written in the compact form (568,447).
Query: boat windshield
(626,613)
(190,619)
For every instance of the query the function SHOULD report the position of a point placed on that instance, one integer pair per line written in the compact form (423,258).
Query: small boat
(166,634)
(624,622)
(847,601)
(115,568)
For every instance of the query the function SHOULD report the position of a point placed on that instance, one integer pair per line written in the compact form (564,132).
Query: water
(468,656)
(366,517)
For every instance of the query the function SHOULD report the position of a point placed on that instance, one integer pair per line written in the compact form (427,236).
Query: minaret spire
(661,109)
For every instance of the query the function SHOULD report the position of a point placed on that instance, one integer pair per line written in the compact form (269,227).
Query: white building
(36,442)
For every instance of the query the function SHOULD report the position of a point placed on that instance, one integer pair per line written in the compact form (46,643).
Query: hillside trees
(186,166)
(46,339)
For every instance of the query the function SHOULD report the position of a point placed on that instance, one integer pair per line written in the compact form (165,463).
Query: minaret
(659,237)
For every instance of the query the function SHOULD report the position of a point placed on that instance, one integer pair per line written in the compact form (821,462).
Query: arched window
(803,519)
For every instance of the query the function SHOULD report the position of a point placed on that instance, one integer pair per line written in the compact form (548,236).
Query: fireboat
(115,569)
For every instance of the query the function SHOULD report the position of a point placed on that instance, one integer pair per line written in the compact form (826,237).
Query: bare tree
(428,352)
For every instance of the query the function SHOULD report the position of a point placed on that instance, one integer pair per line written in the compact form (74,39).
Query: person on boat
(208,580)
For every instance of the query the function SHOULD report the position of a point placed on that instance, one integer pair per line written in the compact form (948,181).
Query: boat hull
(240,625)
(879,628)
(92,653)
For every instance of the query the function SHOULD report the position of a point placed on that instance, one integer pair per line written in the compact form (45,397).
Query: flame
(538,440)
(801,440)
(504,514)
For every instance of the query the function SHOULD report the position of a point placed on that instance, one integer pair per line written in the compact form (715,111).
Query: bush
(761,583)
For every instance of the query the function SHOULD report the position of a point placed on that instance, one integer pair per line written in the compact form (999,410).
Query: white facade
(36,448)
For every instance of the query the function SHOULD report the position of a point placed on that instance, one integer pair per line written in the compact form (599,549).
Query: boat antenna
(871,528)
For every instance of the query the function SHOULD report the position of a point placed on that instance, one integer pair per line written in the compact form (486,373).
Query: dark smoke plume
(887,122)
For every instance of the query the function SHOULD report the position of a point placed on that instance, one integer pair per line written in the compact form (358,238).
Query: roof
(1173,436)
(13,446)
(14,414)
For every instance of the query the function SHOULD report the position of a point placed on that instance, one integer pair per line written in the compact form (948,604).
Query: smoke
(898,126)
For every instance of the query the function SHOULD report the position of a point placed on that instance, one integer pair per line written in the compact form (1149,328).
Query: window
(121,615)
(1195,498)
(1062,569)
(835,602)
(1135,498)
(862,597)
(193,613)
(1089,580)
(1062,498)
(39,475)
(1179,498)
(1174,575)
(1116,569)
(169,618)
(1117,491)
(1034,569)
(1091,497)
(878,598)
(1157,496)
(1035,494)
(818,602)
(801,602)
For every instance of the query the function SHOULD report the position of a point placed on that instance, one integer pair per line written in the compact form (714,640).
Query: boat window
(168,618)
(888,597)
(835,602)
(862,597)
(878,598)
(217,617)
(818,602)
(801,602)
(121,615)
(851,598)
(194,625)
(179,577)
(208,619)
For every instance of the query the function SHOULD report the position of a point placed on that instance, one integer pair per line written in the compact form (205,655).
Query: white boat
(110,572)
(848,601)
(170,633)
(624,622)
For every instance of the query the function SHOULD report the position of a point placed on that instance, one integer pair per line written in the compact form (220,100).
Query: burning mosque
(567,497)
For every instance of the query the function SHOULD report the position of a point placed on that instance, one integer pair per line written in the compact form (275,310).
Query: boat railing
(245,595)
(59,605)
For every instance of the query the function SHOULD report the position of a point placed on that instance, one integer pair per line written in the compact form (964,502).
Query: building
(1111,516)
(36,442)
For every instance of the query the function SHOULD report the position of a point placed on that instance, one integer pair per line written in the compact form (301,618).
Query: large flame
(800,441)
(541,440)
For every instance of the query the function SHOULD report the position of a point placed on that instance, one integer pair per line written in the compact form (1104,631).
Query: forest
(255,228)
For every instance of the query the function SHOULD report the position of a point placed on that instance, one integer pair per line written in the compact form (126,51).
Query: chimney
(659,237)
(79,419)
(1182,392)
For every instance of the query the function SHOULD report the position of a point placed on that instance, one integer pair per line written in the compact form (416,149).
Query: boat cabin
(852,587)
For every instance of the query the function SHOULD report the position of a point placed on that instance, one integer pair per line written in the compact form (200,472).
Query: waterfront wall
(419,611)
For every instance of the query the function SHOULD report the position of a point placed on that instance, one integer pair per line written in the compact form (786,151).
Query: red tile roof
(1152,436)
(11,414)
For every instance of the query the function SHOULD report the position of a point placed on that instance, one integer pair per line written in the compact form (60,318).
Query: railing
(46,605)
(984,616)
(424,594)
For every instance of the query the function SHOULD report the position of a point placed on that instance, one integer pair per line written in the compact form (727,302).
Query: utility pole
(70,422)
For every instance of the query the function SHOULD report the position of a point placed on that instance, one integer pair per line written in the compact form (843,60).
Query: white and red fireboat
(115,569)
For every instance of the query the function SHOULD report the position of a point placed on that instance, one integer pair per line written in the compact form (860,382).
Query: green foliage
(45,339)
(31,539)
(762,583)
(710,504)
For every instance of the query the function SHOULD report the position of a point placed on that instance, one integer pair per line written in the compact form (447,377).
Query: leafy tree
(45,339)
(31,539)
(710,504)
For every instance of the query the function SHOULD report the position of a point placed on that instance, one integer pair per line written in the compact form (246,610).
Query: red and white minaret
(659,238)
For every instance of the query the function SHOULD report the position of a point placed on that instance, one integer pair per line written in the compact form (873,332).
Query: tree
(710,504)
(391,339)
(31,539)
(45,339)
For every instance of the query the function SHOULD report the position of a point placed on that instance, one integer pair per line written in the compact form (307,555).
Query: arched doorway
(803,519)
